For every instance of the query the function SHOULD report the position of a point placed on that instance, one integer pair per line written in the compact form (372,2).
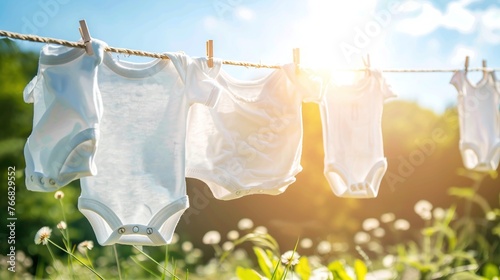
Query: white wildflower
(175,238)
(388,261)
(438,213)
(59,195)
(245,224)
(61,225)
(290,257)
(324,247)
(211,237)
(233,235)
(423,208)
(43,235)
(387,217)
(84,246)
(227,246)
(187,246)
(379,232)
(401,224)
(306,243)
(361,237)
(370,224)
(260,229)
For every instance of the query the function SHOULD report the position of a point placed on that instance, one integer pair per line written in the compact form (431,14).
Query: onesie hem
(235,190)
(152,233)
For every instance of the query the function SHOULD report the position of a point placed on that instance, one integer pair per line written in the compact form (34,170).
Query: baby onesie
(139,194)
(251,141)
(67,111)
(351,117)
(479,119)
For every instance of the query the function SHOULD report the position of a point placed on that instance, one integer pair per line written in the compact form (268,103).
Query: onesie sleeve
(29,90)
(200,85)
(385,87)
(308,84)
(457,81)
(203,88)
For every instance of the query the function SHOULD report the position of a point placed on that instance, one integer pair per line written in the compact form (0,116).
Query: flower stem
(153,260)
(67,242)
(76,258)
(90,262)
(50,251)
(117,262)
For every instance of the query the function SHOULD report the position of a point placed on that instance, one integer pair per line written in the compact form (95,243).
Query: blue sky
(331,34)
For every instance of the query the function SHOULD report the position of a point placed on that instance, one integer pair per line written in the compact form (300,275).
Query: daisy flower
(43,235)
(61,225)
(290,257)
(84,246)
(211,237)
(59,195)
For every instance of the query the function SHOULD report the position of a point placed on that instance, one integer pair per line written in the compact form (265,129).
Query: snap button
(42,181)
(32,178)
(135,229)
(52,182)
(247,191)
(121,230)
(238,192)
(149,230)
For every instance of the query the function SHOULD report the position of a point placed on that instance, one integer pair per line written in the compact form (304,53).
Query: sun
(328,24)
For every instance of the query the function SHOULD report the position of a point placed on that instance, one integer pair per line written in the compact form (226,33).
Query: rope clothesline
(39,39)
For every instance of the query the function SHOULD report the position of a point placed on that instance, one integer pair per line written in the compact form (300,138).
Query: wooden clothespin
(466,64)
(210,53)
(366,61)
(296,59)
(84,31)
(484,67)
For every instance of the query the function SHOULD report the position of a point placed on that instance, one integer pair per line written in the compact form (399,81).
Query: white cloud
(490,26)
(410,6)
(459,53)
(491,18)
(459,18)
(456,17)
(468,2)
(210,23)
(244,13)
(426,22)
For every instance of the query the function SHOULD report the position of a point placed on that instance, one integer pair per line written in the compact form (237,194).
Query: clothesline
(39,39)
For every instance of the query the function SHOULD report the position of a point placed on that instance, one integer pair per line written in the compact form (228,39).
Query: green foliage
(247,274)
(303,268)
(338,271)
(360,269)
(264,261)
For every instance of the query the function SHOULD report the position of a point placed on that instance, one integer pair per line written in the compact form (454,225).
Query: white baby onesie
(139,194)
(251,141)
(351,117)
(67,111)
(479,119)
